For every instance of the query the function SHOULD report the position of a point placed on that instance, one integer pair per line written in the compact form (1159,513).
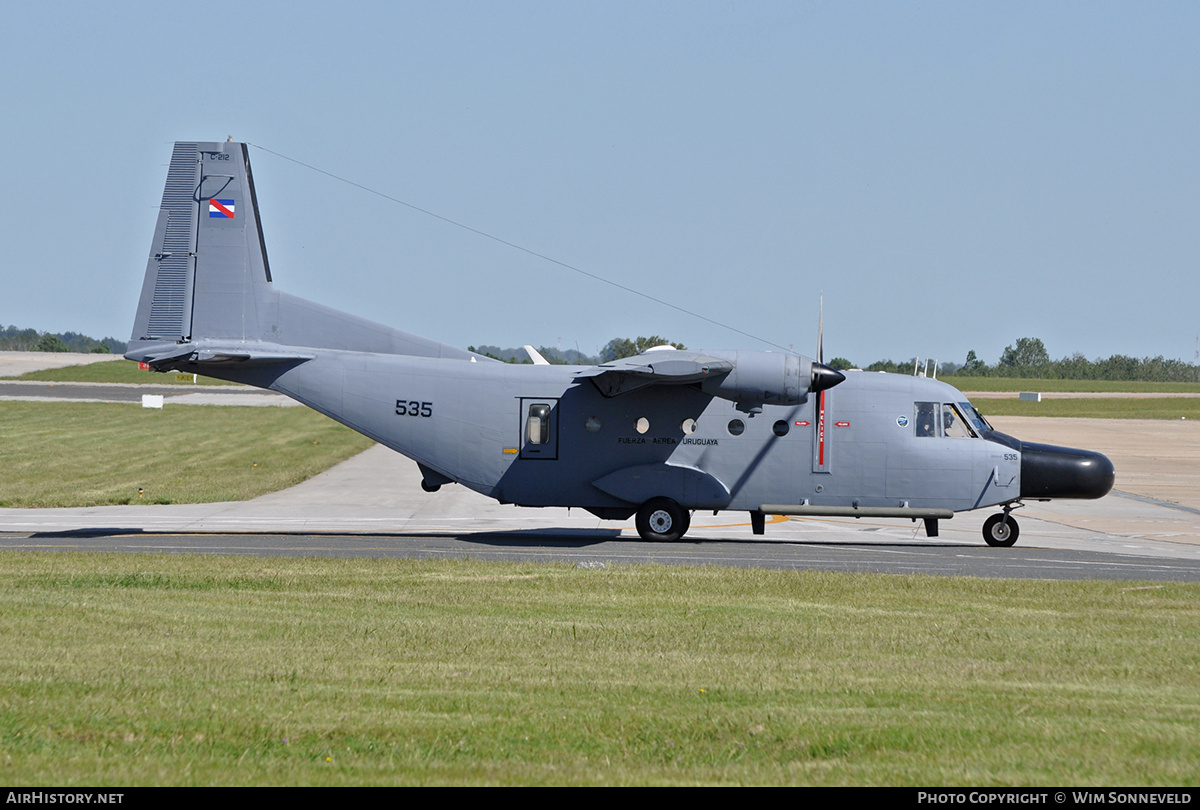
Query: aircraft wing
(676,367)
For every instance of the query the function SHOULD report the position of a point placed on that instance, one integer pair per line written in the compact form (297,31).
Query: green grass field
(1095,408)
(88,454)
(190,670)
(115,371)
(1083,386)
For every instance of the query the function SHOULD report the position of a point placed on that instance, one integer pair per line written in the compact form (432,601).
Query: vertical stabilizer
(208,255)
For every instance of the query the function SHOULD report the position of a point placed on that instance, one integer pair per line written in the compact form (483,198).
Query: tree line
(1028,358)
(16,339)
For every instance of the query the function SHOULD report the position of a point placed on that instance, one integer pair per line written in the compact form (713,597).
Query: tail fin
(208,253)
(207,294)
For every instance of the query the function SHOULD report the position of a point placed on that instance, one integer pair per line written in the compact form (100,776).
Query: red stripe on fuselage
(821,433)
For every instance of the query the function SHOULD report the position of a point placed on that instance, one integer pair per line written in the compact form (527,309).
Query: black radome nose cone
(1064,472)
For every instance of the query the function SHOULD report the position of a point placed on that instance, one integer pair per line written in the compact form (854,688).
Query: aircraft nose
(824,377)
(1064,472)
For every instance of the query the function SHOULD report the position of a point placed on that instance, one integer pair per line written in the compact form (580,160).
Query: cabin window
(688,426)
(736,426)
(592,424)
(927,418)
(643,425)
(537,426)
(781,427)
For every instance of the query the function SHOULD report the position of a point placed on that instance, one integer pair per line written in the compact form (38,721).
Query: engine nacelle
(770,378)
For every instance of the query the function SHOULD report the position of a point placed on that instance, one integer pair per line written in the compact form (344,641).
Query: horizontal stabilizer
(166,356)
(535,356)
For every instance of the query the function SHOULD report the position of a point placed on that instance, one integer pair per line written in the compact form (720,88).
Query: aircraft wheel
(662,520)
(999,533)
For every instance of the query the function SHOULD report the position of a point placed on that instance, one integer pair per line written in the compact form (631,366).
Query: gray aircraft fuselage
(467,422)
(658,435)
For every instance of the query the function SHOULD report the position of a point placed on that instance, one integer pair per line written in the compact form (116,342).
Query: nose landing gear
(1001,531)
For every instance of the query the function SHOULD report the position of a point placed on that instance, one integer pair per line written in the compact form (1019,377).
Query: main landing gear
(1001,530)
(662,520)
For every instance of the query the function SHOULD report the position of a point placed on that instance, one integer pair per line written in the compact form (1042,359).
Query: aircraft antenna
(515,246)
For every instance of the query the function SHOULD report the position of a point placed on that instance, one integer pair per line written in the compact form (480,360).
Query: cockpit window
(947,419)
(953,424)
(974,417)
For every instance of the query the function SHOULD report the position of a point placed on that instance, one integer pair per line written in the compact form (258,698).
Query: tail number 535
(413,408)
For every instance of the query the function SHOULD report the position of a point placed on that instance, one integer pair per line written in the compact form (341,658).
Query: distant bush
(15,339)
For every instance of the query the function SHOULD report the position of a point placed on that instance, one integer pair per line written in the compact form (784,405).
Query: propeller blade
(821,332)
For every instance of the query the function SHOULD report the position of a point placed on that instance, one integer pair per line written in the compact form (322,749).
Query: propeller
(823,377)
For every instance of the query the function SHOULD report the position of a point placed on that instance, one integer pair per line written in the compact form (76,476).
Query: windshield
(974,417)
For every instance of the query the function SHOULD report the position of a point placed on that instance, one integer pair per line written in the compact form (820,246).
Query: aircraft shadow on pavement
(69,533)
(541,537)
(556,538)
(561,538)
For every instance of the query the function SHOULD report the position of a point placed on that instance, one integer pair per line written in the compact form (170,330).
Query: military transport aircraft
(657,436)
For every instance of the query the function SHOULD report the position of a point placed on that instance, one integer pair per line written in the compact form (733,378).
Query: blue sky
(951,176)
